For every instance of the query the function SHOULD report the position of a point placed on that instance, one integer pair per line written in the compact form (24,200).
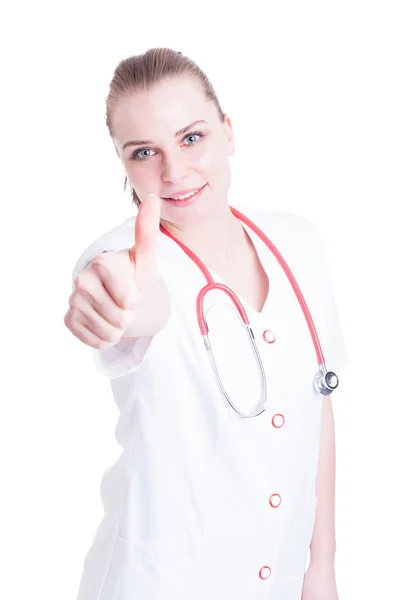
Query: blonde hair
(141,72)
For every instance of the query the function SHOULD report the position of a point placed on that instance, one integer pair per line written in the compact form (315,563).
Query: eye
(198,133)
(136,154)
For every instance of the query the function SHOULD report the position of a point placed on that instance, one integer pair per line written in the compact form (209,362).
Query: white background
(311,88)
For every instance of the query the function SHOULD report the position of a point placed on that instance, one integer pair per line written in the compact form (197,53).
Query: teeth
(184,197)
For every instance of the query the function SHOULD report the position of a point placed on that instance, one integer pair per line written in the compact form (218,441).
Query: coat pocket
(149,572)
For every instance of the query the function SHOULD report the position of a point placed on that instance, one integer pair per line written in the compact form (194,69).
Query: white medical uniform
(204,504)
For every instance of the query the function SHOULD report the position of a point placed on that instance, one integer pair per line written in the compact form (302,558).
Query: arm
(323,544)
(320,580)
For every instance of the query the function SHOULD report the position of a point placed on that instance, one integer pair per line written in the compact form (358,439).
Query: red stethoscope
(325,381)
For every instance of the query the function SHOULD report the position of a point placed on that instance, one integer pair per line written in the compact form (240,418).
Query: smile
(186,199)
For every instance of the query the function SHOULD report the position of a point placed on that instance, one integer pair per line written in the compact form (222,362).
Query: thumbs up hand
(120,295)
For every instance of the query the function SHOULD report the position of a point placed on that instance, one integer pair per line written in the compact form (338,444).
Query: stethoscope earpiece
(326,381)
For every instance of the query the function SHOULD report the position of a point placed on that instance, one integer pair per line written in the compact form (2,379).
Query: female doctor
(226,478)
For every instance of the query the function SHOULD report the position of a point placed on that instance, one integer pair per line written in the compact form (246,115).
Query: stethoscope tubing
(324,381)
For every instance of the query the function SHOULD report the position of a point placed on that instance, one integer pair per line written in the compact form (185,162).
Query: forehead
(165,108)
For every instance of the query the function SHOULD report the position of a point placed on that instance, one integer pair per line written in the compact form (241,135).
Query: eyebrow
(177,134)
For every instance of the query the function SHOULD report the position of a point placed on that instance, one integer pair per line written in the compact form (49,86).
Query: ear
(227,126)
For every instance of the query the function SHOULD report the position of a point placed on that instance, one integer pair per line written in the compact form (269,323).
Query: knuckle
(99,263)
(72,301)
(73,313)
(80,297)
(99,258)
(79,283)
(76,331)
(69,317)
(111,334)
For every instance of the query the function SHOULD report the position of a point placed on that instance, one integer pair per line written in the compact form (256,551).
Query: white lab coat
(202,502)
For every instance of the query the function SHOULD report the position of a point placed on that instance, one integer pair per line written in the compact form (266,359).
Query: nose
(175,166)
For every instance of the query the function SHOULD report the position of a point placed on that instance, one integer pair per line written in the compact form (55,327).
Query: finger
(99,326)
(143,253)
(89,338)
(82,313)
(105,286)
(99,300)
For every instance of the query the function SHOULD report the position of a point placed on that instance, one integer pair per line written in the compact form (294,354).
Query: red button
(264,572)
(278,420)
(275,500)
(269,336)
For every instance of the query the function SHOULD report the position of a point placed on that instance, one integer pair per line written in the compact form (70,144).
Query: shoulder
(283,226)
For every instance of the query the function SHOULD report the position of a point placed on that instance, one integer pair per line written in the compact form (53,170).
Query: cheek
(143,176)
(213,162)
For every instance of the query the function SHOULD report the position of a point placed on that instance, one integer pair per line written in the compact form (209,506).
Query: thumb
(143,253)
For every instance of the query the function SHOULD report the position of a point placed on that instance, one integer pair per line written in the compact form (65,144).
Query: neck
(218,238)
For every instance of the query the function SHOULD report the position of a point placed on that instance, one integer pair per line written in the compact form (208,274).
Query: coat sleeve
(330,330)
(122,358)
(125,356)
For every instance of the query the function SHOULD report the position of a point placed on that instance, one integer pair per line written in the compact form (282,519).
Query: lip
(183,192)
(187,201)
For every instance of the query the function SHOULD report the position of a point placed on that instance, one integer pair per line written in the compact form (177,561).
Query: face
(167,164)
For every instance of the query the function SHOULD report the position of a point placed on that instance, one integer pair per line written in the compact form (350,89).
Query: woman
(203,503)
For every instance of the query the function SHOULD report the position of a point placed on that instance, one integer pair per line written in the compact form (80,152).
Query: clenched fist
(120,295)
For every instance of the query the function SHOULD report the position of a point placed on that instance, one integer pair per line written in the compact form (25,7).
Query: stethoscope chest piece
(325,381)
